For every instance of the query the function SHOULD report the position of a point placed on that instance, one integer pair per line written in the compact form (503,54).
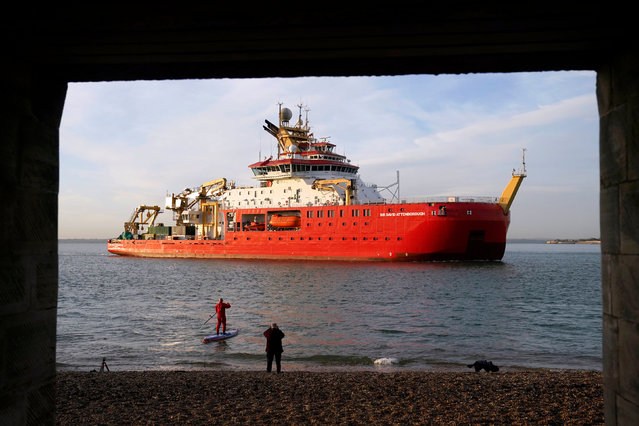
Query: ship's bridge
(307,167)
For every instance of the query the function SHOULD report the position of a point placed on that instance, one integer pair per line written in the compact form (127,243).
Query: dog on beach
(485,365)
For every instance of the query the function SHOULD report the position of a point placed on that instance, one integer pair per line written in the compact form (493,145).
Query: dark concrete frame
(45,47)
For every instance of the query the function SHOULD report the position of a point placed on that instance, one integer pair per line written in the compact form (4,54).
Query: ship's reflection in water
(540,307)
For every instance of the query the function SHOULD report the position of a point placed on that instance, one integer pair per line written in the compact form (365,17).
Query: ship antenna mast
(522,172)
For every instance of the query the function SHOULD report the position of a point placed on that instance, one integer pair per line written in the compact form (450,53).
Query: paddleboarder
(274,349)
(220,309)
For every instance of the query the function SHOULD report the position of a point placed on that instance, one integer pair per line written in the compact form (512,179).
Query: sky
(125,144)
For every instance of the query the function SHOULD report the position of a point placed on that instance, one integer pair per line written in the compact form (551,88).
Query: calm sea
(538,308)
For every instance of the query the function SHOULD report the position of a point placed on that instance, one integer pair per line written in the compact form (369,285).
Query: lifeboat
(279,221)
(254,226)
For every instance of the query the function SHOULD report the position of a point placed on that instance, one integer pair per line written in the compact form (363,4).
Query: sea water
(540,307)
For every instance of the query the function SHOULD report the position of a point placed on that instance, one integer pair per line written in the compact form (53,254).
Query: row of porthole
(343,224)
(329,238)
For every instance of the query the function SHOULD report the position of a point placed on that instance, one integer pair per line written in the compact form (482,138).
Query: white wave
(385,361)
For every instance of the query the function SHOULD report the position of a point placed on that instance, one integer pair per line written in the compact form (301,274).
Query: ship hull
(397,232)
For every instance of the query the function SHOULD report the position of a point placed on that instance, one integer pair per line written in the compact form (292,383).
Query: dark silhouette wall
(46,47)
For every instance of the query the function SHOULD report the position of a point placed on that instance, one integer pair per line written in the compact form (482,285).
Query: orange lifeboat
(254,226)
(279,221)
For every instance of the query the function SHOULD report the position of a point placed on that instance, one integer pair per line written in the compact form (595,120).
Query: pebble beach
(299,397)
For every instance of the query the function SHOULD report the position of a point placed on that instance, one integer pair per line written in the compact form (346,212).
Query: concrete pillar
(618,99)
(29,144)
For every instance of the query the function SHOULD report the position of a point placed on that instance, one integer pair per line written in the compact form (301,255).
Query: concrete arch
(45,49)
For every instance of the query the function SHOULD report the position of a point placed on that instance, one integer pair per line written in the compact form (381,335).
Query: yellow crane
(137,218)
(185,201)
(508,196)
(349,187)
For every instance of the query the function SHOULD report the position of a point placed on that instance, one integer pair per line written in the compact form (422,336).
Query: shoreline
(293,397)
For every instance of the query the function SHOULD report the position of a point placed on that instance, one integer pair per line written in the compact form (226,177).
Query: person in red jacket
(274,349)
(220,309)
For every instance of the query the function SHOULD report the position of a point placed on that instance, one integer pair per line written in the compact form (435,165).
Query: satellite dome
(286,114)
(293,149)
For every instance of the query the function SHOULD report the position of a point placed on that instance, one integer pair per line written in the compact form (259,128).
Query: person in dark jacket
(274,349)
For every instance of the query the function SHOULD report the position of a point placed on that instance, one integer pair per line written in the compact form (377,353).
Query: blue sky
(123,144)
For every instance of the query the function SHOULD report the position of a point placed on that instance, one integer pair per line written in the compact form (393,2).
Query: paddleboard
(217,337)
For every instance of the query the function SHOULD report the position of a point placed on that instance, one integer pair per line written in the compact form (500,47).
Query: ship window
(366,223)
(433,213)
(354,238)
(309,213)
(341,213)
(330,224)
(230,221)
(367,212)
(364,238)
(330,238)
(387,238)
(390,210)
(374,238)
(343,223)
(343,238)
(469,212)
(355,213)
(320,213)
(310,238)
(280,238)
(331,213)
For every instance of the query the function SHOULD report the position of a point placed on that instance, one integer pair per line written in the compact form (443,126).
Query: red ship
(311,204)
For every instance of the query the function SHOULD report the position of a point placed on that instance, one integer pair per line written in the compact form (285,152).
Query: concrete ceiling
(204,40)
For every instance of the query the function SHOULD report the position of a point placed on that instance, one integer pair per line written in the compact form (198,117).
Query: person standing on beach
(220,310)
(274,349)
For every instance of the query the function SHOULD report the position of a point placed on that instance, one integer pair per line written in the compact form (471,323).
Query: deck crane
(190,197)
(138,218)
(350,189)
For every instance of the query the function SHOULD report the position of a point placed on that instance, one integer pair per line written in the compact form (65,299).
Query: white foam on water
(385,361)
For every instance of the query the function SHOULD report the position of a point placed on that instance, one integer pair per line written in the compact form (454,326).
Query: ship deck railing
(447,199)
(403,200)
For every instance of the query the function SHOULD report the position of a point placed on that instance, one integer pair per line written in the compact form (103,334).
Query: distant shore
(584,241)
(252,397)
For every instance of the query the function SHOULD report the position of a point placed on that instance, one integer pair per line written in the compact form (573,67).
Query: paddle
(210,316)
